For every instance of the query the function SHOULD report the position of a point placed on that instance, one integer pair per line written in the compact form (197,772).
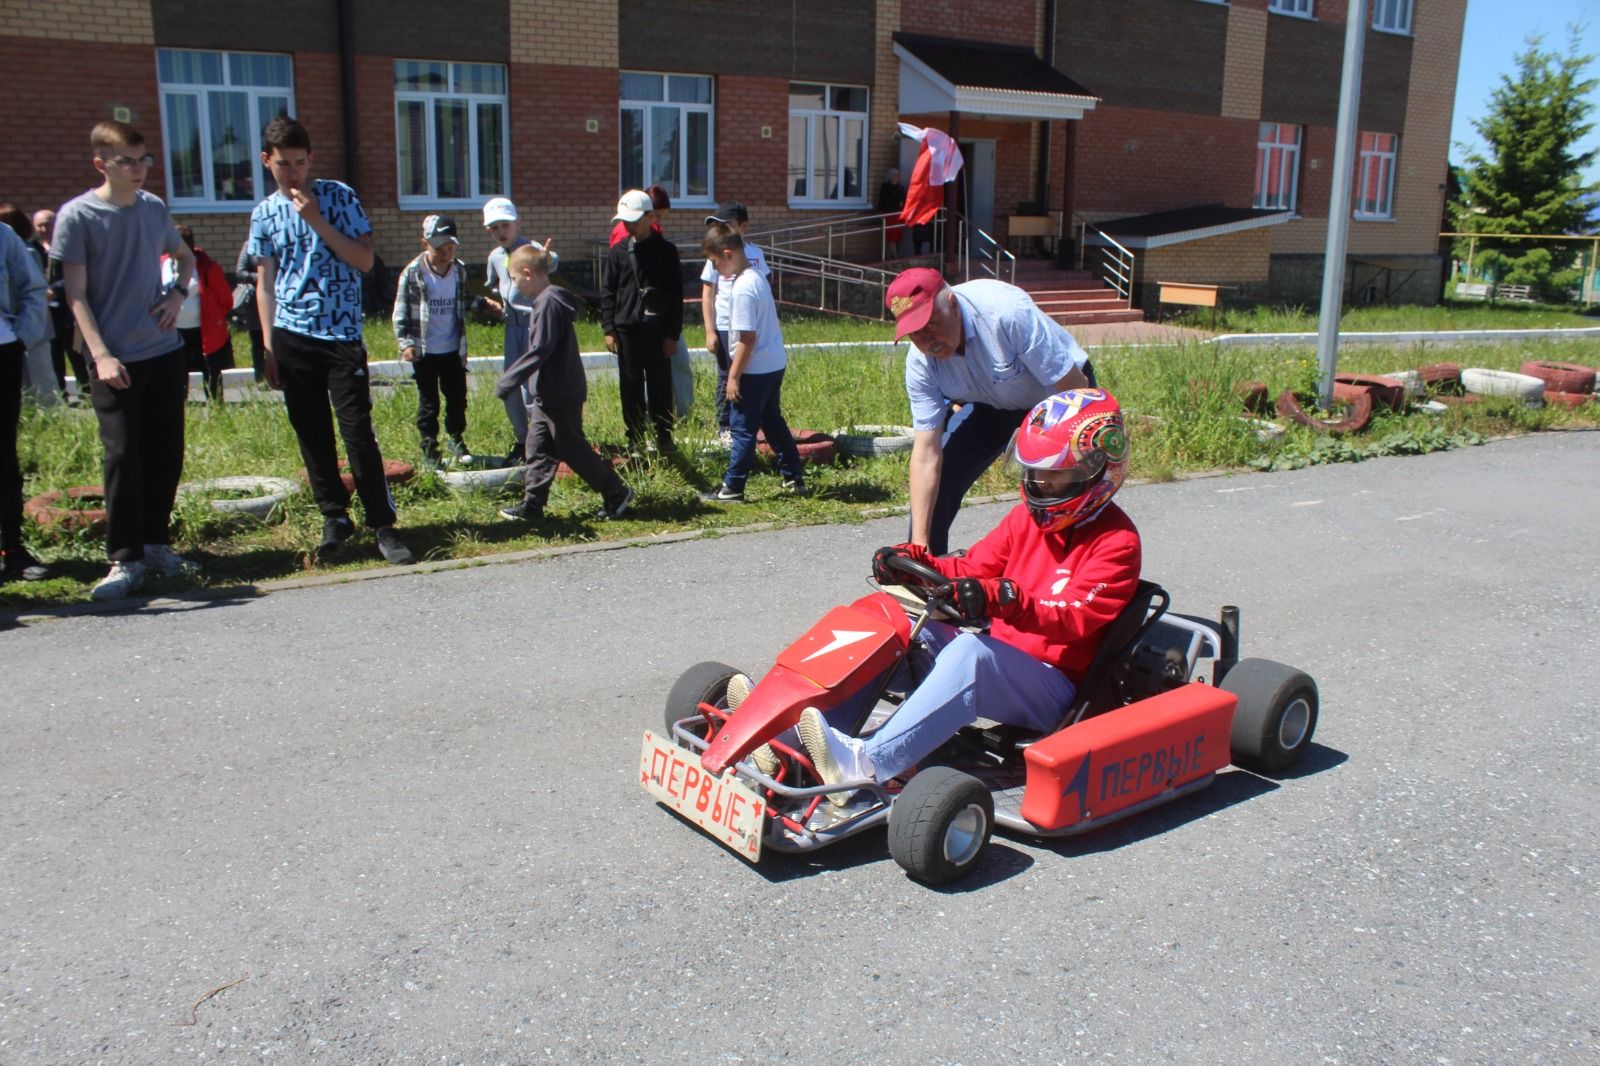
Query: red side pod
(1127,756)
(848,649)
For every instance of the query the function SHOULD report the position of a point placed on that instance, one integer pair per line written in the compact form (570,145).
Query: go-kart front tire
(940,825)
(1276,717)
(702,683)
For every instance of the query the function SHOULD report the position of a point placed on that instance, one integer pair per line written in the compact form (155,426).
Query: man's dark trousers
(141,433)
(315,372)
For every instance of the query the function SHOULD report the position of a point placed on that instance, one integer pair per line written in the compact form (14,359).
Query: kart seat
(1099,691)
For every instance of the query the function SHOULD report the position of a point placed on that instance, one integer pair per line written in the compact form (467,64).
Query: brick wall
(1238,260)
(750,167)
(1247,56)
(1133,161)
(572,32)
(997,21)
(1159,54)
(120,22)
(56,91)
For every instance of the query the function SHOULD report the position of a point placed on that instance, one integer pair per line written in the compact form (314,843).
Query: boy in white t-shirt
(714,290)
(755,370)
(430,328)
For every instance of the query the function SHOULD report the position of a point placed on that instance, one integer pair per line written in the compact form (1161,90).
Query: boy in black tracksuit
(549,374)
(641,311)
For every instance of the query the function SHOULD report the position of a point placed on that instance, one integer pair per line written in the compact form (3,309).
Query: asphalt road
(404,815)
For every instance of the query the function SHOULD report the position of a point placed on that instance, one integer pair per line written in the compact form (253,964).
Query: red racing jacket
(1070,585)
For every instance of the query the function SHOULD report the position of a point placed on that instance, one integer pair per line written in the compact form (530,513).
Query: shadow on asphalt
(1001,862)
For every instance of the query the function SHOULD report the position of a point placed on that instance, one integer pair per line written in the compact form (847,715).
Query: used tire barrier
(1482,382)
(1415,387)
(266,494)
(563,470)
(1386,392)
(1357,415)
(1266,432)
(1438,377)
(815,447)
(868,441)
(1255,397)
(395,472)
(1561,377)
(490,479)
(51,511)
(1568,399)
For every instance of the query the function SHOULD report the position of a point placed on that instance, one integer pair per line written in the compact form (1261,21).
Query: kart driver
(1050,577)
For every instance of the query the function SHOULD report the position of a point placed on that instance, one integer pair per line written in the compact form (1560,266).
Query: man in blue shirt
(311,241)
(983,344)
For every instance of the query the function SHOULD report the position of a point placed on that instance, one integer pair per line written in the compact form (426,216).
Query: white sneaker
(162,560)
(121,581)
(836,757)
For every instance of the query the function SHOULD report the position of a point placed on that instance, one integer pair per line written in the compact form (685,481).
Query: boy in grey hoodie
(549,373)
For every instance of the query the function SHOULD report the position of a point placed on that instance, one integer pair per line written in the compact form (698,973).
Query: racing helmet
(1071,456)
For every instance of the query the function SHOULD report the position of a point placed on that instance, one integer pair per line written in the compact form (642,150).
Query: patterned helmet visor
(1051,488)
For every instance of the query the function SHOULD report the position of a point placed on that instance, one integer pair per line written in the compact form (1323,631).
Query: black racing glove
(880,566)
(977,598)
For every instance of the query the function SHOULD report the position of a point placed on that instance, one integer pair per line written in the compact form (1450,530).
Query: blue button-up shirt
(1012,355)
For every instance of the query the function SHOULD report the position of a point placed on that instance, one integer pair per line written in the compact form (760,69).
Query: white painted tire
(272,492)
(1525,387)
(868,441)
(1266,432)
(483,480)
(1432,407)
(1415,388)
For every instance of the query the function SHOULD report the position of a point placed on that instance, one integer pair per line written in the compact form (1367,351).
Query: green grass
(1183,418)
(1452,315)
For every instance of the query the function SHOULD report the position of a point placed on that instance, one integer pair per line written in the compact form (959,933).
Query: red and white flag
(937,166)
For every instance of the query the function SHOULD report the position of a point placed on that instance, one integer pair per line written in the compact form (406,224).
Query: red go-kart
(1146,727)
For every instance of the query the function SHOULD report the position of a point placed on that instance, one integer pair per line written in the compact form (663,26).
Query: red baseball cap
(910,299)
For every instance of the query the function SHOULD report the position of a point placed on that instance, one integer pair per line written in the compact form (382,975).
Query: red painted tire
(815,447)
(1386,392)
(1567,399)
(46,510)
(1437,376)
(1561,377)
(1356,418)
(1255,397)
(395,472)
(563,470)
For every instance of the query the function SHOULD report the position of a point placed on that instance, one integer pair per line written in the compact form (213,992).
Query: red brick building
(1096,109)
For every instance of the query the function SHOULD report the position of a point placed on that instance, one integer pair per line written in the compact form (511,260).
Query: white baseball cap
(499,210)
(634,205)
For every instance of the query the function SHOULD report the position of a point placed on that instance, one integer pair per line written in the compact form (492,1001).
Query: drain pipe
(1042,182)
(347,86)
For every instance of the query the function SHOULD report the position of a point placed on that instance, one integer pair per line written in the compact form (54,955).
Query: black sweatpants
(644,377)
(555,436)
(11,358)
(141,432)
(315,373)
(436,374)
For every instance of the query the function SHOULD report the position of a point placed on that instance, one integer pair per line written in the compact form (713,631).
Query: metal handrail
(1117,264)
(994,258)
(841,273)
(836,232)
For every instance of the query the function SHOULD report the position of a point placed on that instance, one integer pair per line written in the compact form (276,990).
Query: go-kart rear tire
(701,683)
(1277,714)
(940,825)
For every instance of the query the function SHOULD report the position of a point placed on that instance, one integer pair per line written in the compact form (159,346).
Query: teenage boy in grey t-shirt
(109,242)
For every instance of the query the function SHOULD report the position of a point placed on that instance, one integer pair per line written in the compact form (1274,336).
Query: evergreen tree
(1531,178)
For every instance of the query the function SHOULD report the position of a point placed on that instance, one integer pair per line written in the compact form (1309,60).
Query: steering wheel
(924,578)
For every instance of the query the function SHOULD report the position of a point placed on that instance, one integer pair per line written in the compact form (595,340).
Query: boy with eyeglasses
(109,242)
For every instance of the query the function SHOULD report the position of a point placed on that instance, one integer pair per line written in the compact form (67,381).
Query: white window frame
(199,92)
(1286,159)
(478,190)
(810,116)
(1392,16)
(1386,160)
(646,109)
(1303,9)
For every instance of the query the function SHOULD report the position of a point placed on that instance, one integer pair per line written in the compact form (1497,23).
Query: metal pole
(1339,201)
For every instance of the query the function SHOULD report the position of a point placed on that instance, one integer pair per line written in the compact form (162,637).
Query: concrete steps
(1073,296)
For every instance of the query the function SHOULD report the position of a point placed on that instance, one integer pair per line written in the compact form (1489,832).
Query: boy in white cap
(430,328)
(500,218)
(641,312)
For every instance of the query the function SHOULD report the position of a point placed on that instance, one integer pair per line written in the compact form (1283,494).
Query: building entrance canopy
(940,75)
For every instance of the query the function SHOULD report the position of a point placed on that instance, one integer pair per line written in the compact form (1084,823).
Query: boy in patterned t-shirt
(311,241)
